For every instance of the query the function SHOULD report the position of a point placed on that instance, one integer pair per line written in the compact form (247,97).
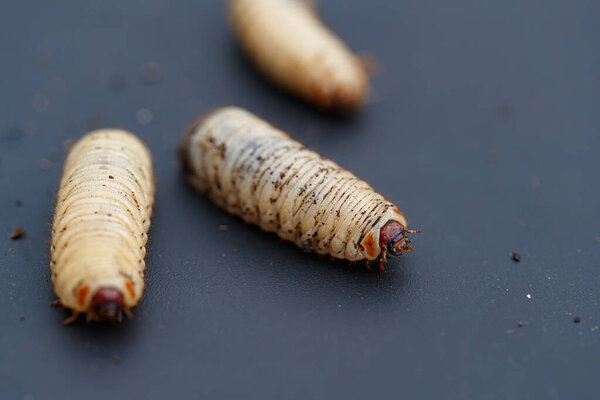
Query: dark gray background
(484,128)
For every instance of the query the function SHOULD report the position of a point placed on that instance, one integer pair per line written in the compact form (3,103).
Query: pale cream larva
(295,50)
(100,225)
(255,171)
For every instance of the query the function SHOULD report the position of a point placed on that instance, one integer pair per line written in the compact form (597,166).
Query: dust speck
(144,116)
(151,73)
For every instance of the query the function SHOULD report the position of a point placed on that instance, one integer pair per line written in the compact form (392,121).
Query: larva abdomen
(101,220)
(259,173)
(287,42)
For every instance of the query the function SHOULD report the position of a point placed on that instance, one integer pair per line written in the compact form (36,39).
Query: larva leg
(100,225)
(72,318)
(268,179)
(383,258)
(290,45)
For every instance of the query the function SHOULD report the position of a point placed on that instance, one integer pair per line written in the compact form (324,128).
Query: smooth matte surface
(484,127)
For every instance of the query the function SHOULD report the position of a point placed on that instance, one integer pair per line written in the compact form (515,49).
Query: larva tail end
(108,305)
(184,146)
(393,239)
(341,102)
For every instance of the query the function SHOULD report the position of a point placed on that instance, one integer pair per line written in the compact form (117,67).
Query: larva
(257,172)
(287,41)
(101,220)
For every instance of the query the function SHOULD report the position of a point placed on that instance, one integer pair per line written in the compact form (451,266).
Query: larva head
(392,238)
(108,304)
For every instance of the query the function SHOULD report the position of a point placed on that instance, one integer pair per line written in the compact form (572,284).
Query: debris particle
(577,319)
(17,233)
(151,73)
(45,164)
(594,328)
(144,116)
(117,83)
(516,257)
(528,296)
(40,102)
(223,227)
(520,324)
(116,360)
(18,203)
(21,318)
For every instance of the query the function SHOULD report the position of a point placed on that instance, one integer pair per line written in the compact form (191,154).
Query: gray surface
(484,127)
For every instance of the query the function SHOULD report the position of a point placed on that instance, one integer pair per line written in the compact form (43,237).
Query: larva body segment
(259,173)
(291,46)
(101,220)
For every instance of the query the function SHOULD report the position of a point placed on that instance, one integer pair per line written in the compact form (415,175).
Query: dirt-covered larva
(101,220)
(287,41)
(257,172)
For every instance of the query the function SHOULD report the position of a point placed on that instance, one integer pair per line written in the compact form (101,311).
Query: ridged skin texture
(257,172)
(291,46)
(101,220)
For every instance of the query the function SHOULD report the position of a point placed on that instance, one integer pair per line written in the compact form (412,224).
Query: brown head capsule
(393,239)
(108,304)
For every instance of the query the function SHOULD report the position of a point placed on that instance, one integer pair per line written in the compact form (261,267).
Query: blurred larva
(259,173)
(295,50)
(100,225)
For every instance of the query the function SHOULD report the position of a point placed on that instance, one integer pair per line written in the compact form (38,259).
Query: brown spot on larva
(107,304)
(369,245)
(130,288)
(111,177)
(82,293)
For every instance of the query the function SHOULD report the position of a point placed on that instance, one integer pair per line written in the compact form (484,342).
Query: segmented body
(259,173)
(100,224)
(295,50)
